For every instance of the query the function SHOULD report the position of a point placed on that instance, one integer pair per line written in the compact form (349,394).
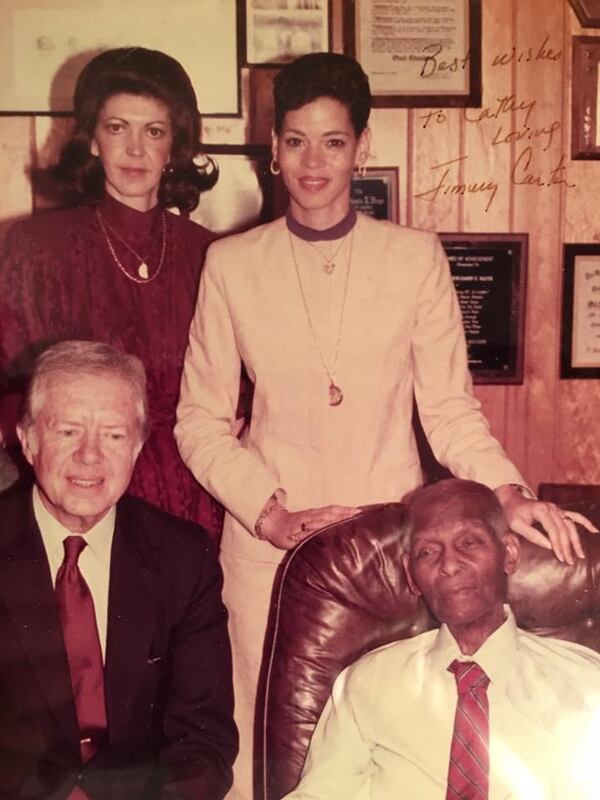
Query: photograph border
(484,376)
(567,370)
(404,98)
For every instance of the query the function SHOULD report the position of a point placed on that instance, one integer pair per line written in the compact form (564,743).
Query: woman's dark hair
(136,70)
(323,75)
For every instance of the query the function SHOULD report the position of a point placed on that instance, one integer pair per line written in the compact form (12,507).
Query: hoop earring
(362,170)
(274,167)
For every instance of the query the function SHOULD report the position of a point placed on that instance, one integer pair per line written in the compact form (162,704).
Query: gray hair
(73,358)
(476,499)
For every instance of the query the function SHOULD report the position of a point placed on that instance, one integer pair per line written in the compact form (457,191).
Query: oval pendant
(143,271)
(335,395)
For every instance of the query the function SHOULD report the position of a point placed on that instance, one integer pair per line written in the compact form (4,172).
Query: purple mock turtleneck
(339,230)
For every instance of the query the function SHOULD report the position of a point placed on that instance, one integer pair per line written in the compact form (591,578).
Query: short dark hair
(475,497)
(138,71)
(323,75)
(74,358)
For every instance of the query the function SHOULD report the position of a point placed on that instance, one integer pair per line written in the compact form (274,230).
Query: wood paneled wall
(507,153)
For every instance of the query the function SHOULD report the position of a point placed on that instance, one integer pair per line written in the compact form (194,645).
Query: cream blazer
(401,333)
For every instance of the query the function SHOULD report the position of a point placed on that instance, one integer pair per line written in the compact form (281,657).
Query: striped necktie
(468,771)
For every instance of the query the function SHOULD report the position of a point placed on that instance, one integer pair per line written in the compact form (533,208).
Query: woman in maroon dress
(117,266)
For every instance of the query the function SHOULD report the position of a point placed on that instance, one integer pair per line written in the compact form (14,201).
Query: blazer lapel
(131,615)
(26,586)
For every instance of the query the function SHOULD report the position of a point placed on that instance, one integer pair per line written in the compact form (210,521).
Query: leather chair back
(343,592)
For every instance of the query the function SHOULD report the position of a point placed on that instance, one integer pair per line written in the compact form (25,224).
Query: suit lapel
(131,614)
(26,586)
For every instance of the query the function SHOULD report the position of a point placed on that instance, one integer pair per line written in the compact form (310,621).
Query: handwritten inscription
(432,64)
(524,172)
(541,52)
(509,119)
(545,134)
(445,186)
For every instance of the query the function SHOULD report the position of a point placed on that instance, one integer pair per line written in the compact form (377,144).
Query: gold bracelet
(270,506)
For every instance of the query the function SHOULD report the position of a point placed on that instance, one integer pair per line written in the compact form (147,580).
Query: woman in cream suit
(338,319)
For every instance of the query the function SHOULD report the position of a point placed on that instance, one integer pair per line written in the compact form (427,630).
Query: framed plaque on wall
(417,54)
(588,12)
(489,271)
(376,193)
(276,31)
(585,122)
(580,330)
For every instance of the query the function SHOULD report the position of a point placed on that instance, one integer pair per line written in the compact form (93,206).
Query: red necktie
(80,633)
(468,772)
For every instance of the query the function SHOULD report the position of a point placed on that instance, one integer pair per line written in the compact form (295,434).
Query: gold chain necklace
(335,393)
(142,269)
(329,264)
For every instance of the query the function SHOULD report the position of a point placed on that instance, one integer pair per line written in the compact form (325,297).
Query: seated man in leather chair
(476,709)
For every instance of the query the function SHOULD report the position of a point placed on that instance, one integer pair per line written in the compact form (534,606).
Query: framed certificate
(417,54)
(489,271)
(278,31)
(580,330)
(44,45)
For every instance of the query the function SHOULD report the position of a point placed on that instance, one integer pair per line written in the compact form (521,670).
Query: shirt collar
(493,656)
(98,538)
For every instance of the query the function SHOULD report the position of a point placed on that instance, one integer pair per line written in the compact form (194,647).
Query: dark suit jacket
(167,672)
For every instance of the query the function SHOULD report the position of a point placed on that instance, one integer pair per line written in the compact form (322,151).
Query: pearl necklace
(142,269)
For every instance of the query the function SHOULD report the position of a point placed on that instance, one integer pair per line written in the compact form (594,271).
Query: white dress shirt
(94,561)
(387,729)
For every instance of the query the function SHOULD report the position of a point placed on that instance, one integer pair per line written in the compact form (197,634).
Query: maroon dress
(59,280)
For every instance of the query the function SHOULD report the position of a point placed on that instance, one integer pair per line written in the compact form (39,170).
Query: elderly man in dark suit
(115,666)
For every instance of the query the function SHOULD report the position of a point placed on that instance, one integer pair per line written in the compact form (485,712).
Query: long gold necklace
(334,391)
(142,268)
(329,264)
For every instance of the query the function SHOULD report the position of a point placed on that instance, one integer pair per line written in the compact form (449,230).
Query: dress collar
(131,224)
(493,656)
(340,229)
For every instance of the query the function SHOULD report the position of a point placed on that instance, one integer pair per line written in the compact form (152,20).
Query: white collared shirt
(387,729)
(94,561)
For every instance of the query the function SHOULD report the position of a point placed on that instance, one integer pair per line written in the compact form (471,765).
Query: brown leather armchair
(342,592)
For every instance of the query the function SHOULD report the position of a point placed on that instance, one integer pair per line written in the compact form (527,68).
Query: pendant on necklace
(143,271)
(329,266)
(335,394)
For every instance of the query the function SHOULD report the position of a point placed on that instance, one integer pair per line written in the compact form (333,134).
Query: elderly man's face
(83,445)
(459,565)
